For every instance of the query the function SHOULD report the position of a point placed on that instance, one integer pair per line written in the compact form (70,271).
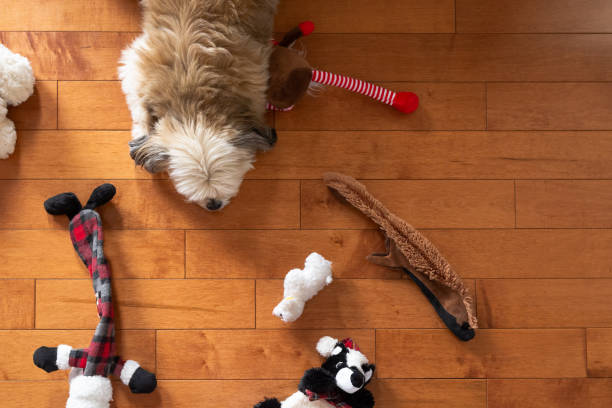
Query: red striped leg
(402,101)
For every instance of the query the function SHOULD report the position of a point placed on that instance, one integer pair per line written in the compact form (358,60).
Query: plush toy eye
(339,364)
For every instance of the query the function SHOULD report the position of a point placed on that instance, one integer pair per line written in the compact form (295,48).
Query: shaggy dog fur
(195,82)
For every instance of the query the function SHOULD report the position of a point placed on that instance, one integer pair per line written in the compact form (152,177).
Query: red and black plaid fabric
(88,241)
(349,343)
(330,399)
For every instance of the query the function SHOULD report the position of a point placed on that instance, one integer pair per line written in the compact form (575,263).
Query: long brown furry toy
(410,251)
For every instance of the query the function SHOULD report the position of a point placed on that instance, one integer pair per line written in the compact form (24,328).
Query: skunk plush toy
(339,382)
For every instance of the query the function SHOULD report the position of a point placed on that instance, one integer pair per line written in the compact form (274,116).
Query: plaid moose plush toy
(90,368)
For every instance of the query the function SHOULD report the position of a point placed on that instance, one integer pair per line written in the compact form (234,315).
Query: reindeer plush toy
(339,382)
(90,368)
(291,76)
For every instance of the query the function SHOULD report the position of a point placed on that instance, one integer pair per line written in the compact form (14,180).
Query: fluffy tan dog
(195,82)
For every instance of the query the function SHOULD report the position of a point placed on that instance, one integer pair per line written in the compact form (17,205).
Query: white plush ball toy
(301,285)
(16,85)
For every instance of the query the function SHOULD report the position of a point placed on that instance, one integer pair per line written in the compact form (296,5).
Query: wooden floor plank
(599,352)
(131,254)
(549,106)
(463,57)
(92,105)
(492,354)
(153,204)
(70,15)
(564,204)
(17,304)
(18,347)
(251,255)
(424,204)
(39,111)
(390,16)
(533,16)
(536,303)
(149,304)
(438,155)
(62,154)
(70,55)
(458,106)
(559,393)
(220,354)
(526,253)
(356,304)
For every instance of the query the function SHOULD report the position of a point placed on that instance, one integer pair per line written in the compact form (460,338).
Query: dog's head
(206,164)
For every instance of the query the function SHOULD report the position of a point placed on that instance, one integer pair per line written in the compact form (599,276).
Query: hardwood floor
(506,166)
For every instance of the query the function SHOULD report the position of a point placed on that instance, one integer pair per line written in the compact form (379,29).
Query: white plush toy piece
(301,285)
(16,85)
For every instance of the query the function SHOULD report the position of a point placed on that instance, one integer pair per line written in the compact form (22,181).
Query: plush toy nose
(213,205)
(357,379)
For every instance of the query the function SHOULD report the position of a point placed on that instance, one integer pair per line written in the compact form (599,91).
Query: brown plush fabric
(409,249)
(290,77)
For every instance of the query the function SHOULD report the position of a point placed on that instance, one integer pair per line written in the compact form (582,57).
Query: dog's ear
(148,154)
(257,138)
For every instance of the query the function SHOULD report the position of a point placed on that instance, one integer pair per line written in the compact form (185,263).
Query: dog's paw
(148,155)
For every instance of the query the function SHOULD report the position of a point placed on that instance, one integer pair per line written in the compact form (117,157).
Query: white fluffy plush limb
(301,285)
(89,391)
(16,85)
(16,77)
(300,400)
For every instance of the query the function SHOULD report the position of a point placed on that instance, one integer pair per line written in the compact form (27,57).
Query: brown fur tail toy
(409,250)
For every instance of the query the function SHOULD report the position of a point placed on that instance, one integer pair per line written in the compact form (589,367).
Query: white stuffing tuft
(301,285)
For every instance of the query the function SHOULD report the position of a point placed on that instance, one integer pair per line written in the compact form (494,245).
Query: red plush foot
(406,102)
(306,27)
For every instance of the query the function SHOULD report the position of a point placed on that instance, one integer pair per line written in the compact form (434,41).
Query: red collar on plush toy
(329,398)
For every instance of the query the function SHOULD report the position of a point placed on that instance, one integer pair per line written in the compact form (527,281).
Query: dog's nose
(357,379)
(213,205)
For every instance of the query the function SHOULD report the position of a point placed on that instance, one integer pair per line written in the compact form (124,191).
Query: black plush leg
(100,196)
(65,203)
(45,358)
(268,403)
(142,382)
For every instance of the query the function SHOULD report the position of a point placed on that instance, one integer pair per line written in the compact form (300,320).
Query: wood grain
(564,204)
(19,346)
(39,111)
(361,303)
(65,154)
(220,354)
(131,254)
(16,304)
(70,55)
(92,105)
(70,15)
(526,253)
(599,352)
(514,303)
(533,16)
(356,304)
(559,393)
(390,16)
(492,353)
(149,304)
(463,57)
(251,255)
(459,106)
(552,106)
(153,204)
(438,155)
(424,204)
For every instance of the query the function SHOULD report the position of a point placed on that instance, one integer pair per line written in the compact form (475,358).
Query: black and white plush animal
(339,382)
